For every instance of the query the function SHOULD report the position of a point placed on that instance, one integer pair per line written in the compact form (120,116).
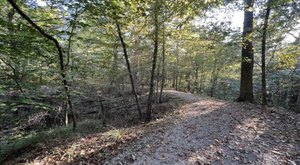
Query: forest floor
(200,130)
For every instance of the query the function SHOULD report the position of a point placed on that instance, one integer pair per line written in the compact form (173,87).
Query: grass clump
(115,134)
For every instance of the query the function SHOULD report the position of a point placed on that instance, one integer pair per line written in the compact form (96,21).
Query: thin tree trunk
(60,57)
(157,81)
(246,87)
(263,55)
(10,27)
(129,68)
(163,74)
(173,77)
(176,70)
(114,66)
(154,58)
(297,106)
(203,80)
(73,26)
(196,81)
(68,59)
(14,77)
(213,78)
(179,82)
(188,79)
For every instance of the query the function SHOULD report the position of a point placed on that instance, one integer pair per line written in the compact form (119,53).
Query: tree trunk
(173,77)
(114,67)
(154,58)
(188,79)
(157,82)
(16,72)
(179,82)
(163,74)
(213,78)
(176,70)
(60,57)
(297,106)
(246,86)
(263,55)
(294,101)
(129,69)
(73,27)
(196,81)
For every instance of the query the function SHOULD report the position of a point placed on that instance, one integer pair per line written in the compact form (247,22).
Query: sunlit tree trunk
(263,55)
(154,59)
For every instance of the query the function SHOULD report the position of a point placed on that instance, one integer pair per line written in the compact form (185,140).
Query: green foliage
(287,57)
(200,56)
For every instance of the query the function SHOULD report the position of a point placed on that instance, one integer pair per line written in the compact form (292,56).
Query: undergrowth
(13,145)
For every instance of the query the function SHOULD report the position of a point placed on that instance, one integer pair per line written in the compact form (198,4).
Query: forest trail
(200,130)
(209,131)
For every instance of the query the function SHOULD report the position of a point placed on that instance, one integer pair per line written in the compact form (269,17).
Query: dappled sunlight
(202,131)
(251,129)
(254,138)
(201,107)
(217,150)
(90,149)
(277,155)
(199,124)
(139,82)
(206,154)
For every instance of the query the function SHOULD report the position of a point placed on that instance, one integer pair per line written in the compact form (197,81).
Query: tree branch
(60,55)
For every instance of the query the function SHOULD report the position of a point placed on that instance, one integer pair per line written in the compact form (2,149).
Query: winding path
(209,131)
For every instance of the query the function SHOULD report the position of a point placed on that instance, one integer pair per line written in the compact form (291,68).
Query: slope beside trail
(209,131)
(198,130)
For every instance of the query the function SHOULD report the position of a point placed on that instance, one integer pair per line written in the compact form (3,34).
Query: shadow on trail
(206,131)
(214,132)
(101,144)
(243,134)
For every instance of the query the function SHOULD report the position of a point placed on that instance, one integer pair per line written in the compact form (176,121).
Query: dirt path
(209,131)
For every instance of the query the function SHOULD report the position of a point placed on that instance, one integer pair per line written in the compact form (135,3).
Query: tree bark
(246,86)
(60,57)
(196,78)
(263,54)
(163,72)
(154,58)
(157,81)
(177,61)
(129,68)
(213,78)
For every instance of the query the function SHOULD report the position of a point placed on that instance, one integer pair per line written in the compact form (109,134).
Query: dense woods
(70,61)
